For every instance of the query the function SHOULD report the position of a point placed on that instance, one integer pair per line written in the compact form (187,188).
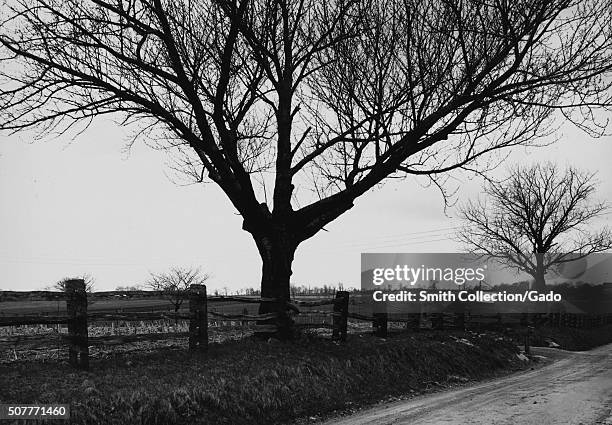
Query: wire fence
(47,321)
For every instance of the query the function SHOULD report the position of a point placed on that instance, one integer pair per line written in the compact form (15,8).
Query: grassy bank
(252,381)
(571,338)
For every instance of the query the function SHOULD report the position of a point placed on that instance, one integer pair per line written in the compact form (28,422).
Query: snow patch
(465,341)
(522,357)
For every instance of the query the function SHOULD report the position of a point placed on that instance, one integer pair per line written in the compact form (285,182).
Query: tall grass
(255,382)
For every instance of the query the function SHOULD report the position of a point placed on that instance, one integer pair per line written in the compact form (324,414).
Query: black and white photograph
(306,212)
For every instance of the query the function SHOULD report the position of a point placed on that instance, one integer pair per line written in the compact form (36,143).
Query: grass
(256,382)
(573,339)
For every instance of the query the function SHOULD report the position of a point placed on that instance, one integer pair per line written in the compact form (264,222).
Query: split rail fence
(77,318)
(200,317)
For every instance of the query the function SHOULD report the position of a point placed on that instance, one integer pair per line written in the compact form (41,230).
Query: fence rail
(78,318)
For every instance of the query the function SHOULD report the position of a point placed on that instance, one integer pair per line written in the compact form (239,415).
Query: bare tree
(537,220)
(129,288)
(60,285)
(295,108)
(174,282)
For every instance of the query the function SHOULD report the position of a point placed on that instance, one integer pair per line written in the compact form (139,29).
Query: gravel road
(575,389)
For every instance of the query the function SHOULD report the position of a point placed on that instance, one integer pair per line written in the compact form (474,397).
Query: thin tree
(175,282)
(296,108)
(537,220)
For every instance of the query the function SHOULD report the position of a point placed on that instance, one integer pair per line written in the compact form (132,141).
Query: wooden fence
(462,321)
(78,318)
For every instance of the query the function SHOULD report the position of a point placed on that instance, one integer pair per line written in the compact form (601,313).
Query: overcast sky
(85,206)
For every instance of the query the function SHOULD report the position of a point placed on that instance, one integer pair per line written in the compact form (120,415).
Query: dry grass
(53,348)
(573,339)
(253,381)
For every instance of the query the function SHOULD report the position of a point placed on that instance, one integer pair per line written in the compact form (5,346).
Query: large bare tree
(295,108)
(537,220)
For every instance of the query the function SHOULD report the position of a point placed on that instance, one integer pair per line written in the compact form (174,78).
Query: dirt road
(575,389)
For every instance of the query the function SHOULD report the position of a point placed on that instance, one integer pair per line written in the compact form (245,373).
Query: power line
(408,243)
(60,262)
(372,247)
(403,240)
(444,231)
(439,229)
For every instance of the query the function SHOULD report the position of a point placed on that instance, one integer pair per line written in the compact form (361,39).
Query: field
(44,342)
(258,382)
(245,380)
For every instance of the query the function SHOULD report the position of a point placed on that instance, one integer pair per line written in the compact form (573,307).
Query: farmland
(241,379)
(256,382)
(126,317)
(44,341)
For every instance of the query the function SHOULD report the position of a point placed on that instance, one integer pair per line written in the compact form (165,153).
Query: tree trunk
(539,283)
(277,252)
(177,307)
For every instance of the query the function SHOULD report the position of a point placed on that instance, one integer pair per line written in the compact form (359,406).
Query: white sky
(86,207)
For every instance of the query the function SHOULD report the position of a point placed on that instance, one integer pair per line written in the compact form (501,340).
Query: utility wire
(444,231)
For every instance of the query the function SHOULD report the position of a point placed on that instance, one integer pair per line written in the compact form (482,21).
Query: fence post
(414,321)
(198,318)
(460,321)
(380,324)
(340,316)
(245,312)
(76,306)
(437,321)
(527,340)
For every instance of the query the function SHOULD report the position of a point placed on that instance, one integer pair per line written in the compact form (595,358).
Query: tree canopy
(295,108)
(537,220)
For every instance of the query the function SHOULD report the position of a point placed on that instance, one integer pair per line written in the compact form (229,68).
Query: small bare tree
(175,281)
(129,288)
(60,285)
(536,220)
